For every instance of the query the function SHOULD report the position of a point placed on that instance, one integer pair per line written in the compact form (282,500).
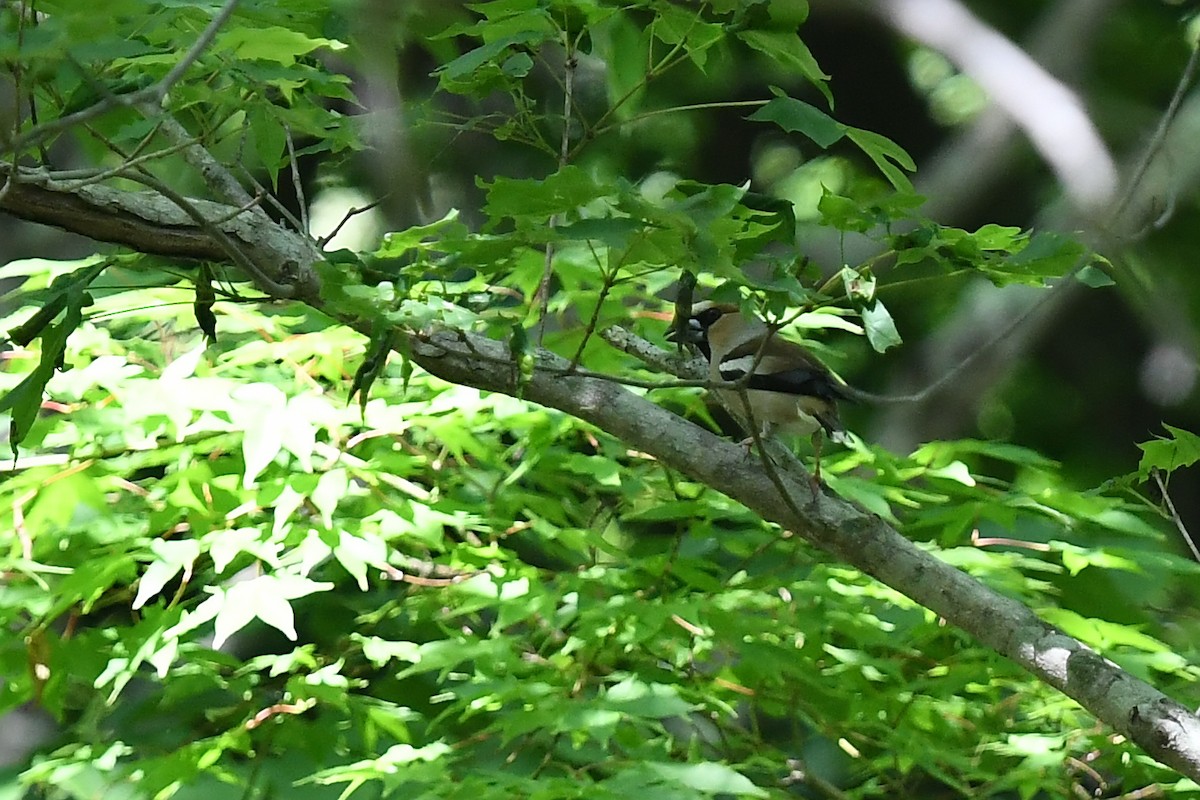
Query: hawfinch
(789,392)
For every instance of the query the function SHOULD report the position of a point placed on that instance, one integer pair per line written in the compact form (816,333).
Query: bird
(789,390)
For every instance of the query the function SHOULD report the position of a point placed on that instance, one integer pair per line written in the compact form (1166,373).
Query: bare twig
(1160,135)
(88,177)
(296,223)
(1183,531)
(353,212)
(541,298)
(296,182)
(676,110)
(1002,335)
(590,329)
(800,773)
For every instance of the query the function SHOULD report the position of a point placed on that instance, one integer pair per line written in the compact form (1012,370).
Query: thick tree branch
(1160,726)
(150,223)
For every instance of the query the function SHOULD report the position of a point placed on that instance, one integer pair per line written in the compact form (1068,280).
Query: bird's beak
(689,333)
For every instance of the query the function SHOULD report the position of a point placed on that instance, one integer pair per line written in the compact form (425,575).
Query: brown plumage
(789,390)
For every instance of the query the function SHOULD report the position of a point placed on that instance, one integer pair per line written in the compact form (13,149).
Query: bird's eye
(708,316)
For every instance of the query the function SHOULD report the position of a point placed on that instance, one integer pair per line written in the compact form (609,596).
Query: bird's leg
(816,443)
(764,431)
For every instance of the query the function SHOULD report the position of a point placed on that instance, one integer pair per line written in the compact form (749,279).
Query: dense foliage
(227,577)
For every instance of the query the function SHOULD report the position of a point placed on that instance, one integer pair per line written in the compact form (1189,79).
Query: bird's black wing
(800,381)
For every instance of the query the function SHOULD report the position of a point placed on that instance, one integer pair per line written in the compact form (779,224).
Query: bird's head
(694,330)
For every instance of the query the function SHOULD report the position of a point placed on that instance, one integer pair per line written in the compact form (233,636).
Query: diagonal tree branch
(1162,727)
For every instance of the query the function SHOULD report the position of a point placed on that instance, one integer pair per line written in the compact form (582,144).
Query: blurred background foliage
(444,594)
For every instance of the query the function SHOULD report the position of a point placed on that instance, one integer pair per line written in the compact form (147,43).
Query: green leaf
(265,598)
(385,767)
(787,48)
(259,412)
(1076,559)
(1180,449)
(206,320)
(1048,254)
(1102,633)
(888,156)
(708,777)
(797,116)
(380,651)
(268,135)
(944,452)
(356,553)
(445,231)
(61,293)
(656,700)
(955,471)
(880,327)
(25,400)
(560,192)
(383,339)
(278,44)
(171,558)
(675,25)
(225,546)
(602,471)
(1094,277)
(472,60)
(331,488)
(829,318)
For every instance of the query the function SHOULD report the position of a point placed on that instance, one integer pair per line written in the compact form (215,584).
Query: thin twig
(605,288)
(296,182)
(1183,531)
(142,175)
(1016,322)
(675,56)
(1160,133)
(215,175)
(768,465)
(272,200)
(800,773)
(264,281)
(597,131)
(234,213)
(89,177)
(610,280)
(353,212)
(541,298)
